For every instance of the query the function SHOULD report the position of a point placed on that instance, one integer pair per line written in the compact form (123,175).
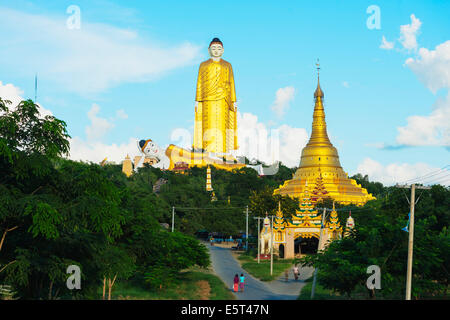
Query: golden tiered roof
(333,224)
(279,223)
(320,160)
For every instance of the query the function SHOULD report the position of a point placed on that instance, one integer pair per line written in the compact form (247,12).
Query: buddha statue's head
(216,49)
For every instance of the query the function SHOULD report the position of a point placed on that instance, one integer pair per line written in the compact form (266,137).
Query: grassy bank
(320,293)
(261,270)
(193,284)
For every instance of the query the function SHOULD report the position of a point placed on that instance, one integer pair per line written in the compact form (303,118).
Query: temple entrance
(281,251)
(306,245)
(297,248)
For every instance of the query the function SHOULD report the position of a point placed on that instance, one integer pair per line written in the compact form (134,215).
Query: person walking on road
(296,272)
(236,283)
(242,282)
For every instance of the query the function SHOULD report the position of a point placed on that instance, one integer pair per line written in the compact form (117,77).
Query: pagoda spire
(333,225)
(319,135)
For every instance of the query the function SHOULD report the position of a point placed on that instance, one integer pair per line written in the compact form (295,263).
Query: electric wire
(437,180)
(428,175)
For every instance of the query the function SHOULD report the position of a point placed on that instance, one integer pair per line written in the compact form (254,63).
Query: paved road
(226,266)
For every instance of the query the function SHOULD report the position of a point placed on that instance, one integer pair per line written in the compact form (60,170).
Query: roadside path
(226,266)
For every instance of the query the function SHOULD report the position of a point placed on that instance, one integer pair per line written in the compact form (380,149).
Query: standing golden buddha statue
(215,128)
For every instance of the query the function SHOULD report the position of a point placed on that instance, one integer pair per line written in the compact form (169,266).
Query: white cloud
(432,67)
(399,172)
(121,114)
(345,84)
(86,60)
(386,44)
(432,130)
(283,97)
(408,33)
(99,126)
(14,94)
(96,151)
(256,140)
(93,148)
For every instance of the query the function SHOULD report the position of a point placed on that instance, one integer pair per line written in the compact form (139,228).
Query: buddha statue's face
(216,50)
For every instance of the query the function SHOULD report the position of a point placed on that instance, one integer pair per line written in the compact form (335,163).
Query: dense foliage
(378,239)
(56,212)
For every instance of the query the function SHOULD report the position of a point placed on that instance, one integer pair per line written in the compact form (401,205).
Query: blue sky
(130,72)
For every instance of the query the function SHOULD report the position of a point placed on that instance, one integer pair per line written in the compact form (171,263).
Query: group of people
(239,283)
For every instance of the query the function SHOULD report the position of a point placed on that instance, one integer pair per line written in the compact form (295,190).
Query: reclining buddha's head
(149,148)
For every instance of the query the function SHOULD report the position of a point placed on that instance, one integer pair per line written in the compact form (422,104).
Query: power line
(443,169)
(198,208)
(428,174)
(437,180)
(434,177)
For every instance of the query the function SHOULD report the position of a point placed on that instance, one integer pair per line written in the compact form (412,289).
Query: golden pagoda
(127,166)
(320,164)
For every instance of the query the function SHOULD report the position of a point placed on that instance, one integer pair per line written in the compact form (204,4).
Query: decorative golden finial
(318,92)
(279,212)
(318,68)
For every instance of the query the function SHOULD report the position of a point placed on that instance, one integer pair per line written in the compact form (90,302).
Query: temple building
(320,167)
(127,164)
(301,232)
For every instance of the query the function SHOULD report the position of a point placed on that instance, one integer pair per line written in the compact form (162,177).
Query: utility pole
(246,230)
(173,217)
(271,247)
(259,240)
(412,204)
(313,289)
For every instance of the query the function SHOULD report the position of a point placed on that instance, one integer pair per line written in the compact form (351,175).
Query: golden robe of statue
(215,128)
